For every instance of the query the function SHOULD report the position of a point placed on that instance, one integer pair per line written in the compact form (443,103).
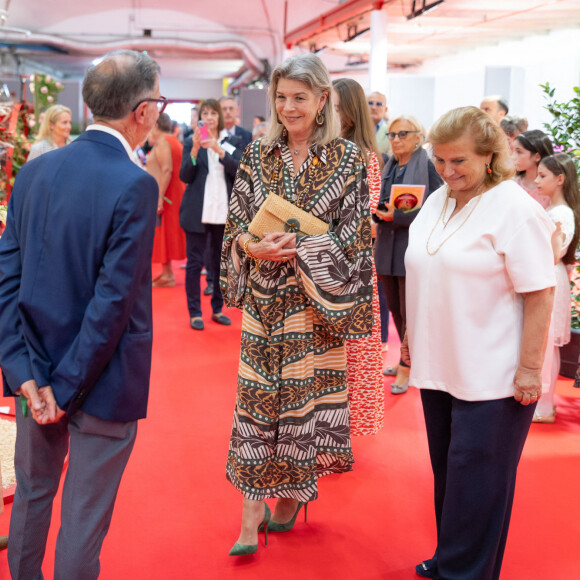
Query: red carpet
(177,516)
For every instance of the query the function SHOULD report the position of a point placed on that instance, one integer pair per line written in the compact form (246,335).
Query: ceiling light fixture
(417,10)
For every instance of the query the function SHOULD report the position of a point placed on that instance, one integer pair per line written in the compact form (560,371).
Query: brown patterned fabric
(291,422)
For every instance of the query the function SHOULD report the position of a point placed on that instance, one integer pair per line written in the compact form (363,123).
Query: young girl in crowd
(529,148)
(558,182)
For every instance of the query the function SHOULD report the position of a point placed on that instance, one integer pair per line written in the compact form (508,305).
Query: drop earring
(319,118)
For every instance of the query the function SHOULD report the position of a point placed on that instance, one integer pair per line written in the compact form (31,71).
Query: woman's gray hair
(310,70)
(114,86)
(417,126)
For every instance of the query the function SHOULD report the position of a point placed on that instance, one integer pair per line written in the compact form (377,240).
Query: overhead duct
(183,46)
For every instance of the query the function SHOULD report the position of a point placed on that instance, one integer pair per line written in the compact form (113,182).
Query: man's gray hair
(228,98)
(114,86)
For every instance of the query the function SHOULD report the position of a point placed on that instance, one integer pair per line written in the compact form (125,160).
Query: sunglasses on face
(375,103)
(400,134)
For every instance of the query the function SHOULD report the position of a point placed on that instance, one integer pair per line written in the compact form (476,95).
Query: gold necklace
(445,205)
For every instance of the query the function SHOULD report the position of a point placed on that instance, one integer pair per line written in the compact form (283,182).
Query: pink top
(543,200)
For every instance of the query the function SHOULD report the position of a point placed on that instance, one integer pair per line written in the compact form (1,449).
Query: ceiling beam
(338,15)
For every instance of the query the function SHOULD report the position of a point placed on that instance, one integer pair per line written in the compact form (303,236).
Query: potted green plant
(564,130)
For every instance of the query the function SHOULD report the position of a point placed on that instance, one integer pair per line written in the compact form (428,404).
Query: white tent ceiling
(219,38)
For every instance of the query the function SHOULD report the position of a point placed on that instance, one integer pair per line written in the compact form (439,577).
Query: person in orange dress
(364,359)
(163,163)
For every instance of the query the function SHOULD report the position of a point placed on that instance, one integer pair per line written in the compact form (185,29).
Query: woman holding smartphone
(208,167)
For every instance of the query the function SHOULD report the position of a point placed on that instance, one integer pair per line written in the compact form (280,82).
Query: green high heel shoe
(247,549)
(276,527)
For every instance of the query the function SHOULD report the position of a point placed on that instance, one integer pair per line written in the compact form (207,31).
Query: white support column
(378,54)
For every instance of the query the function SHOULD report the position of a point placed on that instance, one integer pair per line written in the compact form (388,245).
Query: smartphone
(382,206)
(203,131)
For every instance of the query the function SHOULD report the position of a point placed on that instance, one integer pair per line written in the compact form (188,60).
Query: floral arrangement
(17,129)
(19,123)
(44,90)
(3,213)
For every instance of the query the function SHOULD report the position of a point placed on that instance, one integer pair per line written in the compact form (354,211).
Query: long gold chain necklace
(277,173)
(440,219)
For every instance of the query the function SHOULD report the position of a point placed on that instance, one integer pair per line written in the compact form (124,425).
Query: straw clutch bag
(279,215)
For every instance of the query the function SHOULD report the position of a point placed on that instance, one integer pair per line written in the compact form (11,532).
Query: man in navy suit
(75,318)
(238,136)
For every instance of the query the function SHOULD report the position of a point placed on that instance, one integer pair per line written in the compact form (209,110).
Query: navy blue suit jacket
(194,177)
(75,279)
(241,138)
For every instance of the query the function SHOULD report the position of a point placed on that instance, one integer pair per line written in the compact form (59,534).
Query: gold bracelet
(247,250)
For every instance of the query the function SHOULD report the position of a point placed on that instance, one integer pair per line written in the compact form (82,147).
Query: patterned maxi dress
(364,357)
(291,421)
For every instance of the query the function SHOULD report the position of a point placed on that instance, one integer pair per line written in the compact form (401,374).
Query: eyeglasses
(375,103)
(400,134)
(161,104)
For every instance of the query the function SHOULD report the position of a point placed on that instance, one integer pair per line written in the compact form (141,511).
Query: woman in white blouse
(480,277)
(208,167)
(558,182)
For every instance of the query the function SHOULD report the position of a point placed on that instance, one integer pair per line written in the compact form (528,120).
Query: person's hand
(557,235)
(405,356)
(386,216)
(527,385)
(41,403)
(29,390)
(275,247)
(196,139)
(211,143)
(51,413)
(160,205)
(196,143)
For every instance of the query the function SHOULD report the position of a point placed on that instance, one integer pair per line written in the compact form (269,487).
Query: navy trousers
(475,448)
(195,246)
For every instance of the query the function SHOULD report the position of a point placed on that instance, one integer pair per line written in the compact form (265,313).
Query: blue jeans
(195,245)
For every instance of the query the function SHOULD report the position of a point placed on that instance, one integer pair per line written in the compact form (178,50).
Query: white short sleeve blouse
(464,304)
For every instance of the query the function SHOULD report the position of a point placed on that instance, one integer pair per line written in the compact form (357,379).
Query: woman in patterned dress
(364,359)
(558,182)
(301,296)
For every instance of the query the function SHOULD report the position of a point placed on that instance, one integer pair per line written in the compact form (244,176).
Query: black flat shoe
(197,324)
(221,319)
(208,290)
(427,568)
